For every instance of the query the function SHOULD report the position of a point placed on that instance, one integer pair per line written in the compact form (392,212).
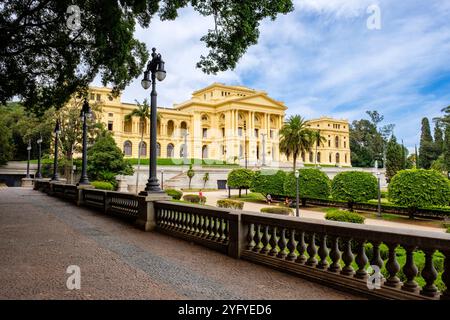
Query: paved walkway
(41,236)
(213,196)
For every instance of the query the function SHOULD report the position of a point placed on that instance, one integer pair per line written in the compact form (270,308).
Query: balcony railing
(333,253)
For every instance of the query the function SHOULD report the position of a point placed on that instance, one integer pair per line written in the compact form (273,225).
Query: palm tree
(142,112)
(317,139)
(295,137)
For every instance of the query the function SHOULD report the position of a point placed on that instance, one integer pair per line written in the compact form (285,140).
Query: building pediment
(259,99)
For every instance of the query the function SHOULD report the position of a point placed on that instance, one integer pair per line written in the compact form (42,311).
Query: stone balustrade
(332,253)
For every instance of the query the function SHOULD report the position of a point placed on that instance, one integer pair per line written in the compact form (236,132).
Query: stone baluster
(273,242)
(218,230)
(171,217)
(376,256)
(347,257)
(201,225)
(361,260)
(258,238)
(393,268)
(212,226)
(183,221)
(410,270)
(176,220)
(430,275)
(162,218)
(250,235)
(301,248)
(323,253)
(223,228)
(291,246)
(192,223)
(197,224)
(312,251)
(335,255)
(266,241)
(282,244)
(446,276)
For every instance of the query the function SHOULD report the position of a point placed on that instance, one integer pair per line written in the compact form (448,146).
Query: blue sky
(322,59)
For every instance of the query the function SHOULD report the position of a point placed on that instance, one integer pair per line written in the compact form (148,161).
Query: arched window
(318,157)
(336,142)
(338,160)
(205,152)
(183,126)
(204,117)
(127,148)
(170,148)
(311,157)
(143,148)
(170,128)
(158,150)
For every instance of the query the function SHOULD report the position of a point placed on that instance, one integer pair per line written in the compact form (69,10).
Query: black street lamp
(84,115)
(297,200)
(162,179)
(38,174)
(155,69)
(28,161)
(57,130)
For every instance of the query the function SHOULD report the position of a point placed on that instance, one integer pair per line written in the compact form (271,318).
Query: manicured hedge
(232,204)
(194,198)
(344,216)
(175,194)
(269,182)
(313,183)
(354,186)
(277,210)
(103,185)
(416,188)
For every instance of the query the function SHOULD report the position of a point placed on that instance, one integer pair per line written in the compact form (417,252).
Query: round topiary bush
(232,204)
(277,210)
(240,179)
(269,182)
(354,186)
(175,194)
(418,188)
(344,216)
(194,198)
(103,185)
(313,184)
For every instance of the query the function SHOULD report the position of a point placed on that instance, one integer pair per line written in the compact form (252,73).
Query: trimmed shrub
(194,198)
(175,194)
(277,210)
(240,179)
(354,186)
(269,182)
(416,188)
(232,204)
(103,185)
(313,184)
(344,216)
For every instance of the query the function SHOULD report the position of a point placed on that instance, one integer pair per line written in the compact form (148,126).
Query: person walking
(269,198)
(200,194)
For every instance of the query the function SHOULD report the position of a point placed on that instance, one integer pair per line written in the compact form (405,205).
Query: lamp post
(28,161)
(57,130)
(162,179)
(297,200)
(84,115)
(378,173)
(155,69)
(38,174)
(263,135)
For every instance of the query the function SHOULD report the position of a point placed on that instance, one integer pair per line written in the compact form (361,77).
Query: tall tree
(52,49)
(317,139)
(447,148)
(438,139)
(426,148)
(295,138)
(394,158)
(142,112)
(362,134)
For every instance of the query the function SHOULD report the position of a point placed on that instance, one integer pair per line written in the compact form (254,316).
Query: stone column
(147,214)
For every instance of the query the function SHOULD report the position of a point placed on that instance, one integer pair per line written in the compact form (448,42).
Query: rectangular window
(256,133)
(205,132)
(110,125)
(98,97)
(92,96)
(271,134)
(223,132)
(110,114)
(240,132)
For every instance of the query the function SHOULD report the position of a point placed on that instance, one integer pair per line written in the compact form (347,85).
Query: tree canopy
(46,57)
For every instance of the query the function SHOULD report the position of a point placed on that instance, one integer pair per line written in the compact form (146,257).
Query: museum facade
(220,122)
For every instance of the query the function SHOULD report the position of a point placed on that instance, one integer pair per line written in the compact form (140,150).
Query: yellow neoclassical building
(220,122)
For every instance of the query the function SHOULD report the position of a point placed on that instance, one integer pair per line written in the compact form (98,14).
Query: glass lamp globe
(160,75)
